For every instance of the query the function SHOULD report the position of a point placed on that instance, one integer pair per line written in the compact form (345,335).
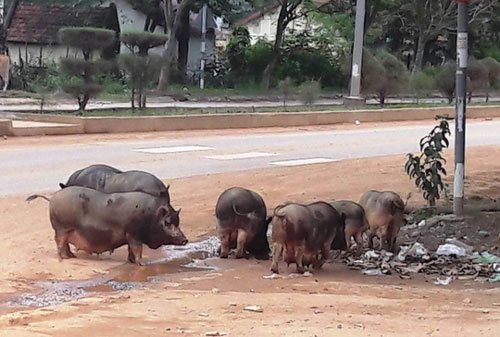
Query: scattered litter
(496,304)
(339,326)
(359,325)
(416,251)
(468,249)
(272,276)
(484,234)
(215,333)
(485,311)
(496,267)
(443,281)
(495,278)
(451,249)
(232,304)
(485,257)
(372,272)
(254,308)
(467,301)
(203,314)
(295,275)
(215,291)
(357,122)
(422,223)
(371,254)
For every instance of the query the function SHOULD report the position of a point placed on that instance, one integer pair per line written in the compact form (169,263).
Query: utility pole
(460,107)
(203,45)
(357,53)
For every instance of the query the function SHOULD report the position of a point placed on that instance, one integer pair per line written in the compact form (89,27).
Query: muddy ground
(166,299)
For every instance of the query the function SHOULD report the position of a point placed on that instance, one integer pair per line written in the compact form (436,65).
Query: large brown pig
(304,234)
(355,223)
(242,223)
(385,213)
(97,222)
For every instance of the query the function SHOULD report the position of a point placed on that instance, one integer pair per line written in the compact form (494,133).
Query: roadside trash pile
(452,260)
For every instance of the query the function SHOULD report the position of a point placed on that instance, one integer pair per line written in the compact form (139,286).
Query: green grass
(198,111)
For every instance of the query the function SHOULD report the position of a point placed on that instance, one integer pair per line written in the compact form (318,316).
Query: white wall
(264,28)
(49,52)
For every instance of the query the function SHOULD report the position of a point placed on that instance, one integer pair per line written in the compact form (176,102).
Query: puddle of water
(195,256)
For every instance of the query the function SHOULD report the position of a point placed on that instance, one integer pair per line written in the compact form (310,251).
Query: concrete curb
(229,121)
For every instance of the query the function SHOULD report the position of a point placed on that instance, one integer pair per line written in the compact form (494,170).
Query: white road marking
(174,149)
(296,162)
(245,155)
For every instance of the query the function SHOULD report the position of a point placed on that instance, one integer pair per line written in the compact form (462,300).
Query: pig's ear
(168,187)
(162,211)
(269,219)
(178,211)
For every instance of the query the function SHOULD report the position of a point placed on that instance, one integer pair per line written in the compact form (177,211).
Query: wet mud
(195,256)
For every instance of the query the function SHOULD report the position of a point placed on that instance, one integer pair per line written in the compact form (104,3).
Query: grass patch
(240,110)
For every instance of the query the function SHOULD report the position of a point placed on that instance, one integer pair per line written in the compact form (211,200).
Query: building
(32,30)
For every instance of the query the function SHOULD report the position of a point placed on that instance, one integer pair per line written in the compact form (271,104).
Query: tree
(140,67)
(289,11)
(89,41)
(425,20)
(173,24)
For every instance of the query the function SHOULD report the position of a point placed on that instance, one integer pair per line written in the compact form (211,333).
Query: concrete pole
(460,108)
(203,45)
(357,53)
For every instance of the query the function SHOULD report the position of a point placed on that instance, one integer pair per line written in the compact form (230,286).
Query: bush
(383,75)
(140,42)
(445,80)
(286,88)
(236,49)
(256,59)
(477,77)
(309,92)
(493,70)
(87,39)
(421,85)
(427,168)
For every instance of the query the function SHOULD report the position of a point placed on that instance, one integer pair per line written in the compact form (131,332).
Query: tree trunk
(281,25)
(132,99)
(183,41)
(419,54)
(173,25)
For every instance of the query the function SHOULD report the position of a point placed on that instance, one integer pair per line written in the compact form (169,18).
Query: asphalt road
(41,168)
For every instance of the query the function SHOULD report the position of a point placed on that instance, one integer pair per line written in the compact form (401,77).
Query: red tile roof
(39,24)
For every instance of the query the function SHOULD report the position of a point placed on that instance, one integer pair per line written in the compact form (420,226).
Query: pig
(385,214)
(108,179)
(355,224)
(242,223)
(97,222)
(303,234)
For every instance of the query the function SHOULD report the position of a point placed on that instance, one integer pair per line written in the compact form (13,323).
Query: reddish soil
(334,301)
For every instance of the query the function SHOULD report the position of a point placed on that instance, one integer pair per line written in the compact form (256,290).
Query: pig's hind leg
(63,249)
(241,243)
(277,251)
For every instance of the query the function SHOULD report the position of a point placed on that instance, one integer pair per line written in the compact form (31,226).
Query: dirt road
(334,301)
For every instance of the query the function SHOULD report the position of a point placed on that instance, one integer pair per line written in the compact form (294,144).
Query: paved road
(31,169)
